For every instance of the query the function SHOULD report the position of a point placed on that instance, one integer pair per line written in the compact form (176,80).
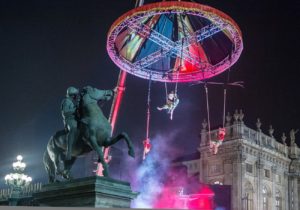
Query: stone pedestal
(87,192)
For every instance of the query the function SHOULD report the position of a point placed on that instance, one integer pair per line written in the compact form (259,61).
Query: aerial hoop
(148,40)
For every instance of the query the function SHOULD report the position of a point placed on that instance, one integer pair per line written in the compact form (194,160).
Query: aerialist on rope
(147,147)
(172,102)
(214,144)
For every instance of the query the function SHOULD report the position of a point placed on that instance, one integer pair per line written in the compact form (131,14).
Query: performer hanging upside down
(172,102)
(214,144)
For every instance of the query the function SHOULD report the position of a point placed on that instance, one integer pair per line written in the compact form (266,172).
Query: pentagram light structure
(174,41)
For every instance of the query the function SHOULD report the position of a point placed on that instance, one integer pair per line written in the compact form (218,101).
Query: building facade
(264,174)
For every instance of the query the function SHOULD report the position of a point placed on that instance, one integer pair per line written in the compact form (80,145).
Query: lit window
(218,182)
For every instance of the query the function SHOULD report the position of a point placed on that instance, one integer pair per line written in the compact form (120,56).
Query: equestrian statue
(86,129)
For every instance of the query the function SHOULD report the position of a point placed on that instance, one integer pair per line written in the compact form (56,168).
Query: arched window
(278,200)
(248,196)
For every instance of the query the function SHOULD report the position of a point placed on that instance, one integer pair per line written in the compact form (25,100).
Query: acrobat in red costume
(214,144)
(147,147)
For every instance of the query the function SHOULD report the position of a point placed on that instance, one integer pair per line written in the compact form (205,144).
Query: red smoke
(172,194)
(170,199)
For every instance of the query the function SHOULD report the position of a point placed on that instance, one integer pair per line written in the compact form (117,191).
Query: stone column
(201,168)
(291,192)
(205,169)
(286,187)
(272,203)
(295,188)
(259,166)
(235,198)
(228,169)
(259,174)
(243,158)
(293,182)
(237,180)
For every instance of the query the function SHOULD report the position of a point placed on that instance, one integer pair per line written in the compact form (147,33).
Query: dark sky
(48,45)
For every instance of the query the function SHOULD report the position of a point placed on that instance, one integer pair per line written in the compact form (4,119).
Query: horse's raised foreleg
(117,138)
(98,149)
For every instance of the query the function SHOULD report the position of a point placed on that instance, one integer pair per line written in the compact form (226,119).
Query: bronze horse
(93,133)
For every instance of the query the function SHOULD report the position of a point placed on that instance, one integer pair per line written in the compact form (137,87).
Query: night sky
(47,46)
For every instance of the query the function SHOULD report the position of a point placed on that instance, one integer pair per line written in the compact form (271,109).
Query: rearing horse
(93,133)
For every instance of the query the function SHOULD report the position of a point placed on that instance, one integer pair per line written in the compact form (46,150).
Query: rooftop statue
(86,129)
(293,136)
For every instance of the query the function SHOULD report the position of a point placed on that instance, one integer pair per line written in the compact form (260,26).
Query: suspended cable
(208,118)
(146,142)
(166,88)
(177,75)
(224,106)
(139,3)
(148,107)
(225,90)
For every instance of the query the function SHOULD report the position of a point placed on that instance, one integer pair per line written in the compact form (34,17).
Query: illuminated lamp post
(17,180)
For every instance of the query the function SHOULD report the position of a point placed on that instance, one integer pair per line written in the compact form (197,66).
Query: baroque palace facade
(264,174)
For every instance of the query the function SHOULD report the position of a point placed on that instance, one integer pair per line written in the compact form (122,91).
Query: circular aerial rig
(174,41)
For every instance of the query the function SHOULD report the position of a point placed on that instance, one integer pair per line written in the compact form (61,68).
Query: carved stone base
(87,192)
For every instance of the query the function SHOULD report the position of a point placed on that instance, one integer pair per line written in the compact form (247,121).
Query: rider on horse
(69,110)
(82,134)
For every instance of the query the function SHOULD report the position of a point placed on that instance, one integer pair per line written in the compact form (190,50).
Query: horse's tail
(49,165)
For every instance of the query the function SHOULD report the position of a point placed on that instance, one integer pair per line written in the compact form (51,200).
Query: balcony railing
(26,192)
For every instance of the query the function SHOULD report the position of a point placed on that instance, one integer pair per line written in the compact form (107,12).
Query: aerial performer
(172,102)
(215,143)
(147,147)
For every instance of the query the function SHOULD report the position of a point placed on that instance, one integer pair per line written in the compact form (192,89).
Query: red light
(169,198)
